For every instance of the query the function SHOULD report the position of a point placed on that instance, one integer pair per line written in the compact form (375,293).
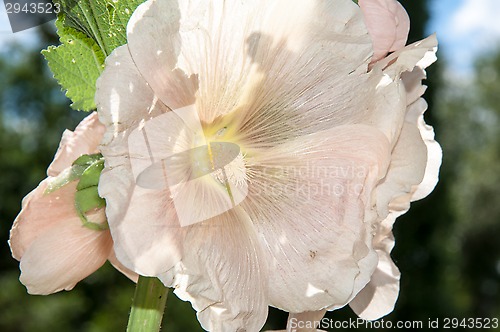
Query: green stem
(148,306)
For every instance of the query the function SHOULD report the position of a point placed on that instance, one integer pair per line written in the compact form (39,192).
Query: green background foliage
(447,246)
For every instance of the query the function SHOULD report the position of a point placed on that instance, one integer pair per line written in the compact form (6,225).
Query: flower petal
(406,171)
(222,274)
(419,54)
(415,163)
(388,25)
(147,254)
(64,255)
(412,175)
(153,40)
(84,140)
(120,267)
(434,152)
(242,51)
(123,98)
(388,107)
(310,201)
(379,296)
(39,213)
(147,240)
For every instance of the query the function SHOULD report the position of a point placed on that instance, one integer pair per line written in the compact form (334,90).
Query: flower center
(201,164)
(220,157)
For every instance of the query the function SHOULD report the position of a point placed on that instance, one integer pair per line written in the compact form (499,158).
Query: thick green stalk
(148,306)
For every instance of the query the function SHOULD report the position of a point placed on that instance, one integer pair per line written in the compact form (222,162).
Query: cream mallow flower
(55,247)
(252,158)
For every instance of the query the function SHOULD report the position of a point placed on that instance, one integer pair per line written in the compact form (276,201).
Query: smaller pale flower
(56,244)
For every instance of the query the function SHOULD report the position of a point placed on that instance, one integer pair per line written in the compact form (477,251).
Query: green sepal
(90,177)
(87,196)
(92,225)
(68,175)
(88,199)
(87,171)
(87,159)
(93,164)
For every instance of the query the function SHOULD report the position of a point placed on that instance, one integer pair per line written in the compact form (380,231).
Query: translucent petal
(63,256)
(388,25)
(223,274)
(378,298)
(39,214)
(84,140)
(310,202)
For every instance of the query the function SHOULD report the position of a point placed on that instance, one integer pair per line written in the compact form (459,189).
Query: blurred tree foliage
(447,246)
(470,120)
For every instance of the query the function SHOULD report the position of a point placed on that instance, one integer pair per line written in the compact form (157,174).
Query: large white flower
(253,159)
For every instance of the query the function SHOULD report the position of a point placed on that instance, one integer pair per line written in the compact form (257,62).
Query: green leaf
(89,31)
(105,21)
(76,64)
